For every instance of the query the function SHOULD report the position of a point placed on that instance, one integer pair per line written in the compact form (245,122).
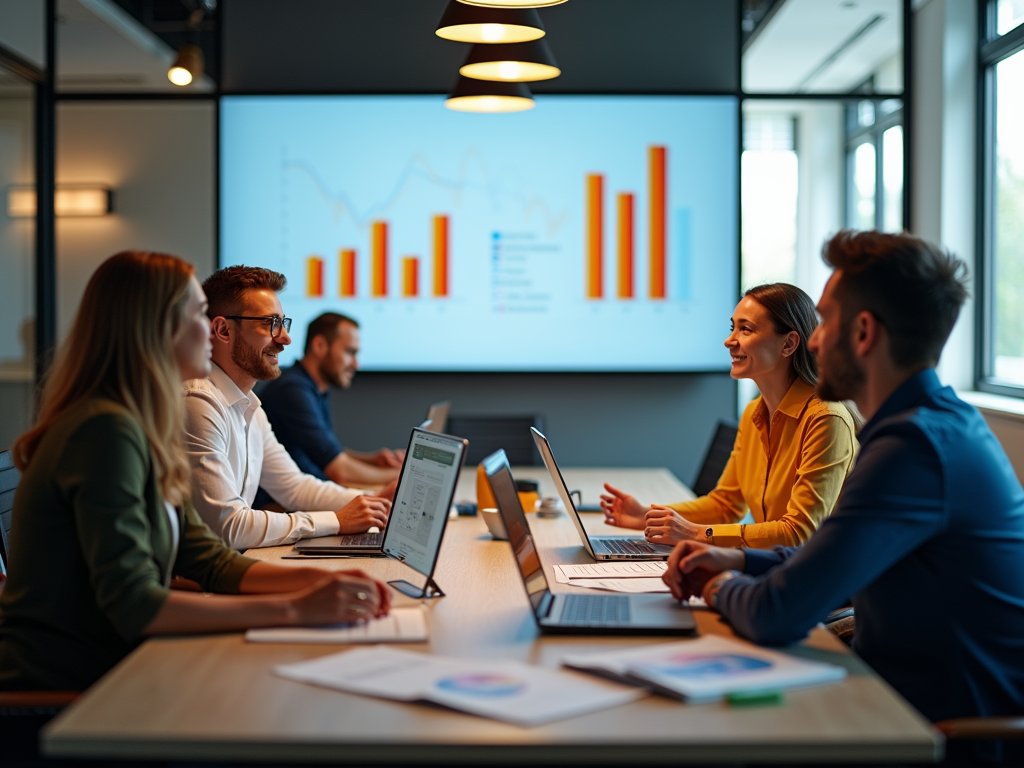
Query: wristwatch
(709,535)
(713,586)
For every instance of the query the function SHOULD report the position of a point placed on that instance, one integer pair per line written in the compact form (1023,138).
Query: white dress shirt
(233,451)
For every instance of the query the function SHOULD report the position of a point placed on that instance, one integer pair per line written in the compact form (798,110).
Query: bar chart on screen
(609,220)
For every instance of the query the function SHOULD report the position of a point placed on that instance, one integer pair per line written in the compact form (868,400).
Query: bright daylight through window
(1008,214)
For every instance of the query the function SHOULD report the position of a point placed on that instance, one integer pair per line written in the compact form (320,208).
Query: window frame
(992,49)
(857,135)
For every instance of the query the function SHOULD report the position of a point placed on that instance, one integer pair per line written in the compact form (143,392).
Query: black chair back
(9,477)
(486,434)
(715,459)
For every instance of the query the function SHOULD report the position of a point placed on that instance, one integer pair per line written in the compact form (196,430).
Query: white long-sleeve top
(233,451)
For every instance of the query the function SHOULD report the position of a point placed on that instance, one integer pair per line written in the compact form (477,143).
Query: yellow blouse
(788,473)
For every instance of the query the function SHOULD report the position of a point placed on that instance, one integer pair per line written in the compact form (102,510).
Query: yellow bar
(380,259)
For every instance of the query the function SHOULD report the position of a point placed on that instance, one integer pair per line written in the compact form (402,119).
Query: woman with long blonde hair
(101,517)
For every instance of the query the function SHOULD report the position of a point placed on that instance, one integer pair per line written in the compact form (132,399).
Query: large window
(1002,327)
(874,164)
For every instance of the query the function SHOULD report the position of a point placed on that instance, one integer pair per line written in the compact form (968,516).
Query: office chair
(22,713)
(486,434)
(9,477)
(715,459)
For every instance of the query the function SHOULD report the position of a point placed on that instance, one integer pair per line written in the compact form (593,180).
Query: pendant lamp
(513,3)
(471,24)
(511,62)
(471,95)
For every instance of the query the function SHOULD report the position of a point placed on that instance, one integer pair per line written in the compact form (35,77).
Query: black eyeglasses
(276,323)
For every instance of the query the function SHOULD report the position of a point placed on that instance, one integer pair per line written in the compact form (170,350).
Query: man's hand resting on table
(363,513)
(693,564)
(621,509)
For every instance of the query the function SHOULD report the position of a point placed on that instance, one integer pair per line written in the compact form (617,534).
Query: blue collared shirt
(928,538)
(301,417)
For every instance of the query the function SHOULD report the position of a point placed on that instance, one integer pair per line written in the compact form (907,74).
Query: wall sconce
(68,200)
(188,65)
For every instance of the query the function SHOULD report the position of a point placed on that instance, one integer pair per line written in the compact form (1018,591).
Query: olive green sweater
(90,547)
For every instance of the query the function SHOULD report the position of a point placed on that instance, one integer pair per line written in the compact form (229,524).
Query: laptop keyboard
(595,609)
(627,547)
(363,540)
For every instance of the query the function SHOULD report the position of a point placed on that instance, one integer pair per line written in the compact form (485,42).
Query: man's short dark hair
(326,325)
(914,288)
(225,289)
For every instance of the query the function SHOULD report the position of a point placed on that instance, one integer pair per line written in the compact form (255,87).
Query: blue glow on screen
(515,282)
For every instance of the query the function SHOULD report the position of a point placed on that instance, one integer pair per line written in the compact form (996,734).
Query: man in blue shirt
(928,534)
(299,407)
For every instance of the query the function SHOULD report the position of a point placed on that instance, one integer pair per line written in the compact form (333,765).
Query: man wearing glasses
(231,446)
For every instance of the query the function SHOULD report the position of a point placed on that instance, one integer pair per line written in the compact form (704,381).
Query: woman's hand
(340,597)
(621,509)
(666,526)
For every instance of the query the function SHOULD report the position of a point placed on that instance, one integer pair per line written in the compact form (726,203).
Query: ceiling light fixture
(189,64)
(471,95)
(513,3)
(472,24)
(511,62)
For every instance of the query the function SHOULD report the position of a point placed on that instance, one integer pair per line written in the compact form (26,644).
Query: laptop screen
(422,499)
(504,488)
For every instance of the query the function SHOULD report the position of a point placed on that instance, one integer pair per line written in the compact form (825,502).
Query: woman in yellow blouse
(793,450)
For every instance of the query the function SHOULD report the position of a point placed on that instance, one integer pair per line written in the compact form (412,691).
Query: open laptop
(599,548)
(423,497)
(437,417)
(573,613)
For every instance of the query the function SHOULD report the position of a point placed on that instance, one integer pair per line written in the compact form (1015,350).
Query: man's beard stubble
(839,376)
(251,361)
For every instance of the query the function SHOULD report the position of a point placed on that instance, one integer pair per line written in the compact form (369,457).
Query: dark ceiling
(389,46)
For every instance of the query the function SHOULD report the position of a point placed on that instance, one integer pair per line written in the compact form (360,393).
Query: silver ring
(360,595)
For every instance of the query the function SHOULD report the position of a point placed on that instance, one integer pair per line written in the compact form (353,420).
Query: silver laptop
(437,416)
(423,496)
(599,548)
(598,614)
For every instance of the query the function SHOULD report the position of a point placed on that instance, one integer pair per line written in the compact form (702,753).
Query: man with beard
(231,446)
(928,533)
(299,407)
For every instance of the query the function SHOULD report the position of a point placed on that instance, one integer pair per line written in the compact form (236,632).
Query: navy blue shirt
(301,417)
(928,539)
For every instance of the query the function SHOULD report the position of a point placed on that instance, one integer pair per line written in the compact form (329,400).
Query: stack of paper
(634,577)
(499,689)
(708,669)
(402,625)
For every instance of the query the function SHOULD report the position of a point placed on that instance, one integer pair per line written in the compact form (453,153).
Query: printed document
(402,625)
(643,569)
(497,688)
(708,669)
(630,586)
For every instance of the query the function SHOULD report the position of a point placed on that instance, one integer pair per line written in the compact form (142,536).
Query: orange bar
(656,177)
(441,256)
(411,277)
(379,259)
(625,210)
(595,235)
(314,276)
(348,273)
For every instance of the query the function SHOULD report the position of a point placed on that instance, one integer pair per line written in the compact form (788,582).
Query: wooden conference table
(216,698)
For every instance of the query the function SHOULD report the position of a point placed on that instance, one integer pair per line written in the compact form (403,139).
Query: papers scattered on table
(708,669)
(402,625)
(624,570)
(650,584)
(499,689)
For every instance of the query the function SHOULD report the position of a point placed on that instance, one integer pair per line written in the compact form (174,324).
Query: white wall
(943,188)
(158,157)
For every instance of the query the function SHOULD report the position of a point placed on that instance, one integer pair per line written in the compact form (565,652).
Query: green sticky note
(758,699)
